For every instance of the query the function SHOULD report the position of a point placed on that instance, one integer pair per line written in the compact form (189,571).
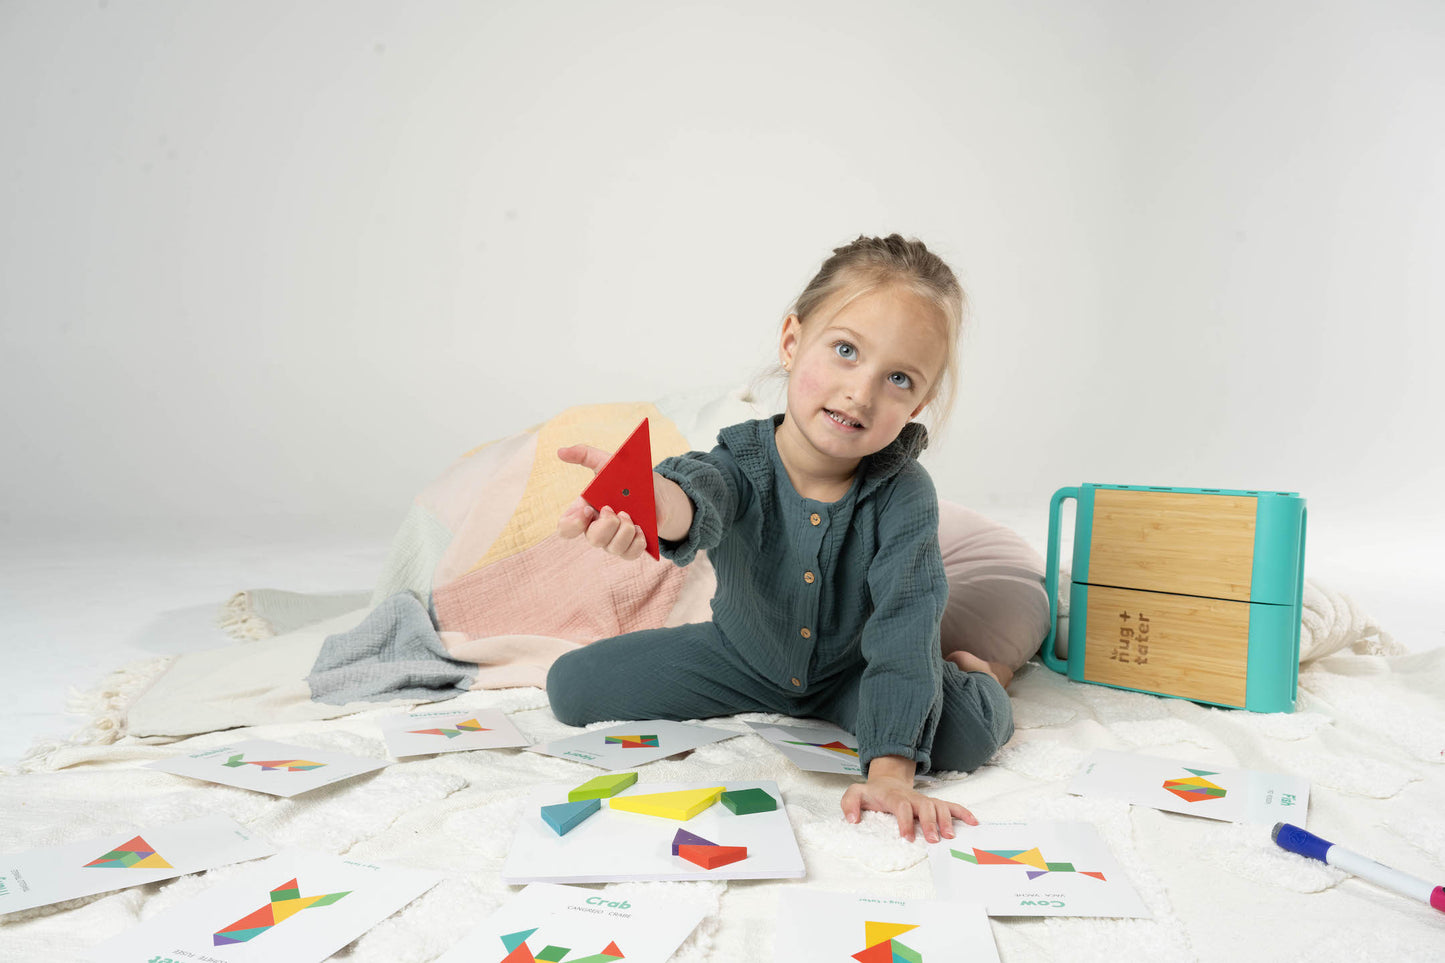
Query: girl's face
(859,375)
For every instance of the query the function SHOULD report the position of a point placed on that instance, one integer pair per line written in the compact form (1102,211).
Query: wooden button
(815,518)
(795,681)
(807,634)
(809,577)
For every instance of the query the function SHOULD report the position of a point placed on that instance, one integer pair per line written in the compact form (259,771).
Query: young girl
(823,530)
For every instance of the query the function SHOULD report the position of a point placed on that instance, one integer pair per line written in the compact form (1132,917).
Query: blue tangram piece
(565,817)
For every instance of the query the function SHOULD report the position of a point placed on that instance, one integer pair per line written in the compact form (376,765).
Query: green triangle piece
(513,940)
(1200,772)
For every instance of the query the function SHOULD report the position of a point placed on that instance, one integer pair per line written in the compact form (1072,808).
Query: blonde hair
(869,263)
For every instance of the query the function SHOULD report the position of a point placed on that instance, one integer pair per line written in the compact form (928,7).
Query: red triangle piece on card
(625,484)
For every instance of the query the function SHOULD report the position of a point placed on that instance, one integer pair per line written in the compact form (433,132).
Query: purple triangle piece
(1036,873)
(685,838)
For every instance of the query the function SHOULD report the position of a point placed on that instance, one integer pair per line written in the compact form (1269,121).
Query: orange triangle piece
(612,950)
(625,485)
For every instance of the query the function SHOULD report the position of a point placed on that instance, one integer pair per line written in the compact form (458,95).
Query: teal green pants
(693,672)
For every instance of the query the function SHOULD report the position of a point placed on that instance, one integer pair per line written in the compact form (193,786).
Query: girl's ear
(791,339)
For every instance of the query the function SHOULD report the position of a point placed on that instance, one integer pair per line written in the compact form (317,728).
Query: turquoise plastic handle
(1051,579)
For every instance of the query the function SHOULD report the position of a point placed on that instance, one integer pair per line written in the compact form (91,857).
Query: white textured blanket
(1369,734)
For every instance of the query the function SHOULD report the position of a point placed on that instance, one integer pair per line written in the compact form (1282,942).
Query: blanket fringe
(105,708)
(240,621)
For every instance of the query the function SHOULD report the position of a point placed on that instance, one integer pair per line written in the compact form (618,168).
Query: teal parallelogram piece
(603,786)
(746,801)
(567,816)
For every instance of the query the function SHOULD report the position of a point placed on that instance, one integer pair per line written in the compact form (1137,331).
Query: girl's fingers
(575,519)
(928,819)
(904,812)
(853,803)
(624,543)
(601,532)
(958,812)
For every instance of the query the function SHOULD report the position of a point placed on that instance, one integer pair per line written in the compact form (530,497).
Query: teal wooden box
(1194,593)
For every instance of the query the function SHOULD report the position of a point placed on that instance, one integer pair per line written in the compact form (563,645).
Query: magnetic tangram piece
(883,947)
(1021,857)
(471,725)
(518,951)
(1197,789)
(685,838)
(684,804)
(624,484)
(711,857)
(135,854)
(705,853)
(567,816)
(286,902)
(745,801)
(603,786)
(631,742)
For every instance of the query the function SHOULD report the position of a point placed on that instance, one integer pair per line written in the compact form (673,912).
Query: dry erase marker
(1306,843)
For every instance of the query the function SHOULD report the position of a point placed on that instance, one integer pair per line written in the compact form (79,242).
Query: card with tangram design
(277,768)
(632,744)
(1033,869)
(817,925)
(425,733)
(1211,791)
(298,906)
(125,858)
(548,923)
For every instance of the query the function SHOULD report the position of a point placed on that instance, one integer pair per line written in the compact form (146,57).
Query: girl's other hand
(897,796)
(610,531)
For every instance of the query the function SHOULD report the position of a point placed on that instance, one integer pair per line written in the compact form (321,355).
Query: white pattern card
(124,859)
(613,845)
(593,925)
(1033,869)
(815,925)
(298,906)
(423,733)
(816,747)
(1233,795)
(278,768)
(633,743)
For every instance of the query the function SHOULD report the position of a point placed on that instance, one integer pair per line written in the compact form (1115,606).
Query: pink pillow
(997,608)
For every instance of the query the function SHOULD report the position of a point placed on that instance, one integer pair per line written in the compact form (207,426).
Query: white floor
(72,610)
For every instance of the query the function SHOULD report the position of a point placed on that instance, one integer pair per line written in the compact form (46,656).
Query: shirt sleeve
(900,696)
(716,487)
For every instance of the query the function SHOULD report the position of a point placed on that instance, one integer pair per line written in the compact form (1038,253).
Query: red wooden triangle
(625,484)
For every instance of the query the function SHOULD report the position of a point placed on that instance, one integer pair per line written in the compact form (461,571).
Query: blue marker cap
(1291,837)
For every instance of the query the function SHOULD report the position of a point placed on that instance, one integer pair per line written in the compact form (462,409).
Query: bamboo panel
(1173,542)
(1177,645)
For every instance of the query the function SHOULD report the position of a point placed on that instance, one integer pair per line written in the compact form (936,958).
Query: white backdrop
(288,259)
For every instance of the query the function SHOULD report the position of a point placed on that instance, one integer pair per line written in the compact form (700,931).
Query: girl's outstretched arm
(889,789)
(616,533)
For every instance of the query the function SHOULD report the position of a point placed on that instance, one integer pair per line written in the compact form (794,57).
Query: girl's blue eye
(845,350)
(900,380)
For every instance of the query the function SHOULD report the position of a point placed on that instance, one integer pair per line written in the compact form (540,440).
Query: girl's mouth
(842,421)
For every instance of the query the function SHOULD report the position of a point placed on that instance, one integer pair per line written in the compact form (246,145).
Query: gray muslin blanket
(394,653)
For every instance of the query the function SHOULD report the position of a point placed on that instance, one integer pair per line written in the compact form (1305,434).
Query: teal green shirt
(813,594)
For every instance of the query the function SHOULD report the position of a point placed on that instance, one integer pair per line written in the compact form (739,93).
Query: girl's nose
(860,391)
